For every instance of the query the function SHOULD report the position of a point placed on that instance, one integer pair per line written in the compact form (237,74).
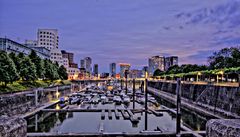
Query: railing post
(146,100)
(36,97)
(134,93)
(126,86)
(178,121)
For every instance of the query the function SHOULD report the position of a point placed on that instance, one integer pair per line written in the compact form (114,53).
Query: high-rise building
(123,68)
(47,38)
(135,73)
(88,63)
(112,68)
(70,57)
(154,63)
(82,63)
(95,70)
(170,61)
(67,55)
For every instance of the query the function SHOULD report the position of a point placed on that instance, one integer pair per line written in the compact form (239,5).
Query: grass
(26,85)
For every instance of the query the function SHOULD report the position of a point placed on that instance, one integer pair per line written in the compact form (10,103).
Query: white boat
(73,100)
(95,99)
(103,99)
(126,99)
(117,100)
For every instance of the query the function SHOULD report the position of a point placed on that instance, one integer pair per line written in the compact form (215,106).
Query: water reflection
(76,122)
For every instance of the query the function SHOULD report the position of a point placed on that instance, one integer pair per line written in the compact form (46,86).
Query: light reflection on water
(89,121)
(76,122)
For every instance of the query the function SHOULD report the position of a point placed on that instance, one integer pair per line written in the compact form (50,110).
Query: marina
(94,110)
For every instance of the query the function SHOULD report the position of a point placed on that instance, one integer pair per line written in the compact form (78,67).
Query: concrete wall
(222,97)
(13,127)
(223,128)
(22,102)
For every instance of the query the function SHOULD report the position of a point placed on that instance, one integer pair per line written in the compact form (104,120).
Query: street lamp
(221,73)
(198,74)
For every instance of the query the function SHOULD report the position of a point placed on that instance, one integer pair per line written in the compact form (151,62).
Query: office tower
(170,61)
(112,68)
(95,69)
(154,63)
(82,63)
(88,63)
(70,57)
(123,68)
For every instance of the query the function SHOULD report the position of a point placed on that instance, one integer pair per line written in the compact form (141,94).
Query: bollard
(178,120)
(134,93)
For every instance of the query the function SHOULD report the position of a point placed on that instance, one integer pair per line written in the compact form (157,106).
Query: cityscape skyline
(130,28)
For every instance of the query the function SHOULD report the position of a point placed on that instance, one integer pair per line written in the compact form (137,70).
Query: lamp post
(198,75)
(126,73)
(221,73)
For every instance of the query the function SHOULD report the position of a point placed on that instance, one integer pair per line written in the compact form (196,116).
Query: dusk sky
(128,31)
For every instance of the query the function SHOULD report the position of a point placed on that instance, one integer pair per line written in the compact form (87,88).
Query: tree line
(225,58)
(28,68)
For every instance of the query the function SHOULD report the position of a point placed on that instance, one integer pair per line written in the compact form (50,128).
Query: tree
(157,72)
(8,72)
(39,64)
(225,58)
(16,61)
(27,70)
(62,72)
(51,70)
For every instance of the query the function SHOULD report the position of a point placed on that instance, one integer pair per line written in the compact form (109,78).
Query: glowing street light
(198,74)
(221,73)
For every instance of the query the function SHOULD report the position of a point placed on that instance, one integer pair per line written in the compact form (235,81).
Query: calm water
(75,122)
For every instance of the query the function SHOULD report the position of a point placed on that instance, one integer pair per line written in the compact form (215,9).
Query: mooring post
(36,122)
(121,84)
(146,99)
(36,97)
(126,73)
(178,122)
(134,93)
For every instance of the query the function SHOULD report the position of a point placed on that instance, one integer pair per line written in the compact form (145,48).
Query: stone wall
(222,97)
(13,127)
(22,102)
(223,128)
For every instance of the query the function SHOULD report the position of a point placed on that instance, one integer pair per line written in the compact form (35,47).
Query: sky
(127,31)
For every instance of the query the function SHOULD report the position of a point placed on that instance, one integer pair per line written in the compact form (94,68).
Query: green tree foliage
(8,72)
(62,73)
(39,64)
(157,72)
(27,70)
(225,58)
(185,68)
(51,70)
